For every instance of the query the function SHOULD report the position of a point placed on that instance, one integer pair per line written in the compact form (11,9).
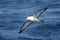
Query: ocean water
(12,17)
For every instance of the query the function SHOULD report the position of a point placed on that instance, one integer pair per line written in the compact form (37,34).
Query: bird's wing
(25,25)
(39,12)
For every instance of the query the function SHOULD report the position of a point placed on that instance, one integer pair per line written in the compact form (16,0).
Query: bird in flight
(33,18)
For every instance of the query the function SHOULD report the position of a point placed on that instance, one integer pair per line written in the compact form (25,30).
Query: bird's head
(26,16)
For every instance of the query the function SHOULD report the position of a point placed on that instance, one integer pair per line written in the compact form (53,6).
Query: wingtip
(20,32)
(46,8)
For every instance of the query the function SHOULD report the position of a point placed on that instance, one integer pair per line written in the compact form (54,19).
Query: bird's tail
(41,20)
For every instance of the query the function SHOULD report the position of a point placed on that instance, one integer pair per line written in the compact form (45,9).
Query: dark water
(13,13)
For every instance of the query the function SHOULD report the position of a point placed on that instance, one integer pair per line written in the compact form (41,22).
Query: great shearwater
(31,19)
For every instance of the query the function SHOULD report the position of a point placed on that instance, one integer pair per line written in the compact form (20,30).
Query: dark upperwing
(24,26)
(39,12)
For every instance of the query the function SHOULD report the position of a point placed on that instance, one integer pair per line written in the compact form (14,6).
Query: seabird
(31,19)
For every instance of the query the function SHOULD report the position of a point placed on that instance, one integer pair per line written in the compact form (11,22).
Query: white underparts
(32,18)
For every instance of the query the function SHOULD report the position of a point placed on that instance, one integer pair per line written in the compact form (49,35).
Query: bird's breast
(32,18)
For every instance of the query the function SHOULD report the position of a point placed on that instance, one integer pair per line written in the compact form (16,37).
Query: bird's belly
(32,18)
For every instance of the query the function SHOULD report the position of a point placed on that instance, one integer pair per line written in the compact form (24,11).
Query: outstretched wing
(25,25)
(39,12)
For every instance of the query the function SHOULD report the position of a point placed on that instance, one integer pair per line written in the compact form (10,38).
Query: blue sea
(12,17)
